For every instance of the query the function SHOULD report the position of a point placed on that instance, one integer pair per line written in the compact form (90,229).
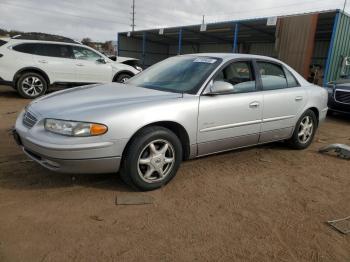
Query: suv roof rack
(45,37)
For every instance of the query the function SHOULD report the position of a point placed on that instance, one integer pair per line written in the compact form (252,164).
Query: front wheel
(304,131)
(122,78)
(151,159)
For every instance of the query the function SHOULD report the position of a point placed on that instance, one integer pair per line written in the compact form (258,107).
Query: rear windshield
(2,42)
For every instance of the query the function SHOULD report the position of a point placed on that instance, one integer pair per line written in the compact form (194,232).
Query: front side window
(181,74)
(83,53)
(272,76)
(239,75)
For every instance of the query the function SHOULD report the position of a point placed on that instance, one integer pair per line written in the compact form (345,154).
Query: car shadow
(339,117)
(28,175)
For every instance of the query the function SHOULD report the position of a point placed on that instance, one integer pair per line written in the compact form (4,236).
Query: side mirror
(219,87)
(101,61)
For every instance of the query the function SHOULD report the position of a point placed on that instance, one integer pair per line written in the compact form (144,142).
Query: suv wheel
(304,131)
(152,159)
(122,78)
(31,85)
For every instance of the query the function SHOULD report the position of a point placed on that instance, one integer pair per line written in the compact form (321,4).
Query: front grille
(342,96)
(29,120)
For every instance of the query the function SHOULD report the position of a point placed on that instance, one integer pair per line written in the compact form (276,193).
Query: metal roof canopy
(250,31)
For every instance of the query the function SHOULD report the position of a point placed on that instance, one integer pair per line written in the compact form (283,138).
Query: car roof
(230,56)
(13,40)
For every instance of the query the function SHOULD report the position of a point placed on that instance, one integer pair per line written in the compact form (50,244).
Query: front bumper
(55,153)
(79,166)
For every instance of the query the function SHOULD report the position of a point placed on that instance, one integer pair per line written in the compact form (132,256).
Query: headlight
(72,128)
(138,68)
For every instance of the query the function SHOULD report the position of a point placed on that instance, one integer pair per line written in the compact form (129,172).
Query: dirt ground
(268,203)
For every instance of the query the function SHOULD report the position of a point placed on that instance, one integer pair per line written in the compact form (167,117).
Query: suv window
(272,76)
(239,75)
(51,50)
(83,53)
(2,42)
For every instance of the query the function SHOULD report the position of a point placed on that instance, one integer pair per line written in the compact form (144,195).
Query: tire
(31,85)
(141,165)
(122,78)
(302,139)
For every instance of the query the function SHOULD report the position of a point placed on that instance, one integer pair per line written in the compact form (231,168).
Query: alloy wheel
(306,129)
(32,86)
(156,161)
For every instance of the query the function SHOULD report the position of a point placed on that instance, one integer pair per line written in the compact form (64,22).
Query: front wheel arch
(121,73)
(176,128)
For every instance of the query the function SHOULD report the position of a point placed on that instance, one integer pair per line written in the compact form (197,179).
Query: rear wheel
(304,131)
(152,158)
(31,85)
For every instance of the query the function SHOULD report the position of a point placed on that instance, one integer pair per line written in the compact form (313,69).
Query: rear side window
(291,80)
(51,50)
(272,76)
(2,42)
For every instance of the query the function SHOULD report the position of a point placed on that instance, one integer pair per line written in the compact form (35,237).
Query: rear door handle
(43,61)
(254,105)
(299,98)
(80,65)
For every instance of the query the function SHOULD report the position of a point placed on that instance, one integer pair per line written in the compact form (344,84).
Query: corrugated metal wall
(267,49)
(295,41)
(132,47)
(340,47)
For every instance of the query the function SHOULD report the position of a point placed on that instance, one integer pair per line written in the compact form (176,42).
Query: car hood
(121,59)
(95,97)
(341,83)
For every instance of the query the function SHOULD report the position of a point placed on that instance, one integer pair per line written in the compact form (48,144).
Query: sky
(101,20)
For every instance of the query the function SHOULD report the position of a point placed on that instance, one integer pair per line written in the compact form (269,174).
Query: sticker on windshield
(205,60)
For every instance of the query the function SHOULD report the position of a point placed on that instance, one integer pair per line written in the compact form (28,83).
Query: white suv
(31,66)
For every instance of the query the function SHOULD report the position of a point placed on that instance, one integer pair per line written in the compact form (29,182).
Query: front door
(231,120)
(90,67)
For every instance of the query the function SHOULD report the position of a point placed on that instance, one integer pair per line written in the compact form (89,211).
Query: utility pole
(344,5)
(203,20)
(133,16)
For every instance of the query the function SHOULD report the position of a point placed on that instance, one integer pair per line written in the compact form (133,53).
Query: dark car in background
(339,90)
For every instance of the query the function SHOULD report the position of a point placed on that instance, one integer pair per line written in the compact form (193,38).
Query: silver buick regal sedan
(181,108)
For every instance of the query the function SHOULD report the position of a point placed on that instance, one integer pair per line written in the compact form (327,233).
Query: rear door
(90,67)
(283,100)
(233,119)
(56,60)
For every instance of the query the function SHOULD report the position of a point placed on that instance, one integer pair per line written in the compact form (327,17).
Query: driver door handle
(42,61)
(298,98)
(254,104)
(80,64)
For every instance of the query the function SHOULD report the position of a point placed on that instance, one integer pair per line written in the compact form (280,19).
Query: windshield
(181,74)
